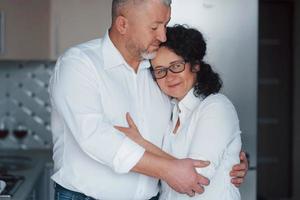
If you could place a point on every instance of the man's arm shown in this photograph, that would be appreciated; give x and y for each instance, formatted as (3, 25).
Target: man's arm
(166, 167)
(180, 174)
(74, 94)
(238, 172)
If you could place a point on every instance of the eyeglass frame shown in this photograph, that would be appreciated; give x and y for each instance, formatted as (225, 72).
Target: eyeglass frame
(167, 69)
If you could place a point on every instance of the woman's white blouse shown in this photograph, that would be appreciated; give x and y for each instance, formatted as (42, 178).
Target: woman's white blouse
(209, 130)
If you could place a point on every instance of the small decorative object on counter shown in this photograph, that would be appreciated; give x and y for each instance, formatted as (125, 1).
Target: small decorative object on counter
(2, 186)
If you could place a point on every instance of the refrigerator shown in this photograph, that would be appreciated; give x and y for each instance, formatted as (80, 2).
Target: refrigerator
(230, 28)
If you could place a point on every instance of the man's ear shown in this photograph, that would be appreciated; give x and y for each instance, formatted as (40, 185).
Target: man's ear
(121, 24)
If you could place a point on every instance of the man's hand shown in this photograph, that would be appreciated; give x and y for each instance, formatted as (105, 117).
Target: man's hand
(183, 177)
(239, 171)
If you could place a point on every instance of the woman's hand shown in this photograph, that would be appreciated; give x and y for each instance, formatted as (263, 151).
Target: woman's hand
(132, 131)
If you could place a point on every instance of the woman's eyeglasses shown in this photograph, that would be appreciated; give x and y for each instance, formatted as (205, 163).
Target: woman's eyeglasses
(161, 72)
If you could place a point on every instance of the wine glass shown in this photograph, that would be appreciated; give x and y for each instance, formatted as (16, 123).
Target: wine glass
(5, 124)
(3, 129)
(20, 133)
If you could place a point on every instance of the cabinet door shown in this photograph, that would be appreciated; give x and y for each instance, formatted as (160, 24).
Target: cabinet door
(26, 29)
(44, 29)
(76, 21)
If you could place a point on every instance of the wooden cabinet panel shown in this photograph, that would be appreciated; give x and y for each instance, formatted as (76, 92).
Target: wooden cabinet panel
(26, 29)
(43, 29)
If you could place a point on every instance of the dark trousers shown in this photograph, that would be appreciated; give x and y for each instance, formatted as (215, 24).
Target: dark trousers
(62, 193)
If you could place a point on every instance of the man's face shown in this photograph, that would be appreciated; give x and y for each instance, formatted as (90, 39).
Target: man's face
(147, 29)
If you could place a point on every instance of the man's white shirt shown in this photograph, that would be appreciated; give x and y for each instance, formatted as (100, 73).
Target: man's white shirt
(91, 90)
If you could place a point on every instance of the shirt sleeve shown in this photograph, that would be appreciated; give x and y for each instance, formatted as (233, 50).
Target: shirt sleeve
(217, 134)
(75, 95)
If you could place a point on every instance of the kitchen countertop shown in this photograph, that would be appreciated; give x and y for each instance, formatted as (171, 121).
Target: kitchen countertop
(39, 158)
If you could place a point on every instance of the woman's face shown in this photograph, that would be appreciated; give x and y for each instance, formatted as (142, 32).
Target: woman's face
(176, 85)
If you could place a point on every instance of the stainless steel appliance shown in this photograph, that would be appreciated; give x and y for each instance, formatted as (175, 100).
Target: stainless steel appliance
(12, 184)
(9, 164)
(231, 30)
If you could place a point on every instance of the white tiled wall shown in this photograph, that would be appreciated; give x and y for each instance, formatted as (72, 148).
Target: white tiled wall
(24, 102)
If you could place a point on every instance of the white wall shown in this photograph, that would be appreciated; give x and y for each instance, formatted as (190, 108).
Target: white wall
(231, 31)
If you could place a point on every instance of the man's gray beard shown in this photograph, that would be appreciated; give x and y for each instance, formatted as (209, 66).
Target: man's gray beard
(148, 56)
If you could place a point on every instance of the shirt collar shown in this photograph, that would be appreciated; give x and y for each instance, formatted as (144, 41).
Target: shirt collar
(184, 108)
(189, 102)
(112, 56)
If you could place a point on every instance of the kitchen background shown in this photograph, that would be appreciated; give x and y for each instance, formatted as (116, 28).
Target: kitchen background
(253, 44)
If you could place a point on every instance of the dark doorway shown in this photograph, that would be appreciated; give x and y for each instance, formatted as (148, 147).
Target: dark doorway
(275, 99)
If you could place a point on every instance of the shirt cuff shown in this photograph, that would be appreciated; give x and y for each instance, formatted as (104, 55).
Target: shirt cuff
(127, 156)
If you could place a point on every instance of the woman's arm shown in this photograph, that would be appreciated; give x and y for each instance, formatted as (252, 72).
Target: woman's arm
(133, 133)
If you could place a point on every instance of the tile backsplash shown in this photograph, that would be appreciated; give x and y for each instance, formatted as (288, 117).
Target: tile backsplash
(24, 104)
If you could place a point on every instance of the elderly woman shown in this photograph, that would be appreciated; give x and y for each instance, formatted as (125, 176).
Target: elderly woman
(204, 124)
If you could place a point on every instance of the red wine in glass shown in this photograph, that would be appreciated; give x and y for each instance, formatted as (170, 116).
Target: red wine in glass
(20, 134)
(3, 133)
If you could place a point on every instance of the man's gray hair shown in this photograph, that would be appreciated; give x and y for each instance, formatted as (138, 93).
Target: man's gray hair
(117, 4)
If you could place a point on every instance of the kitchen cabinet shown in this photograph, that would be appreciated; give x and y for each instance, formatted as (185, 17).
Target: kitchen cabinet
(43, 29)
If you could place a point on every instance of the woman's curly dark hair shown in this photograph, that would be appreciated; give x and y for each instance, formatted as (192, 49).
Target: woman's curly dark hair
(191, 46)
